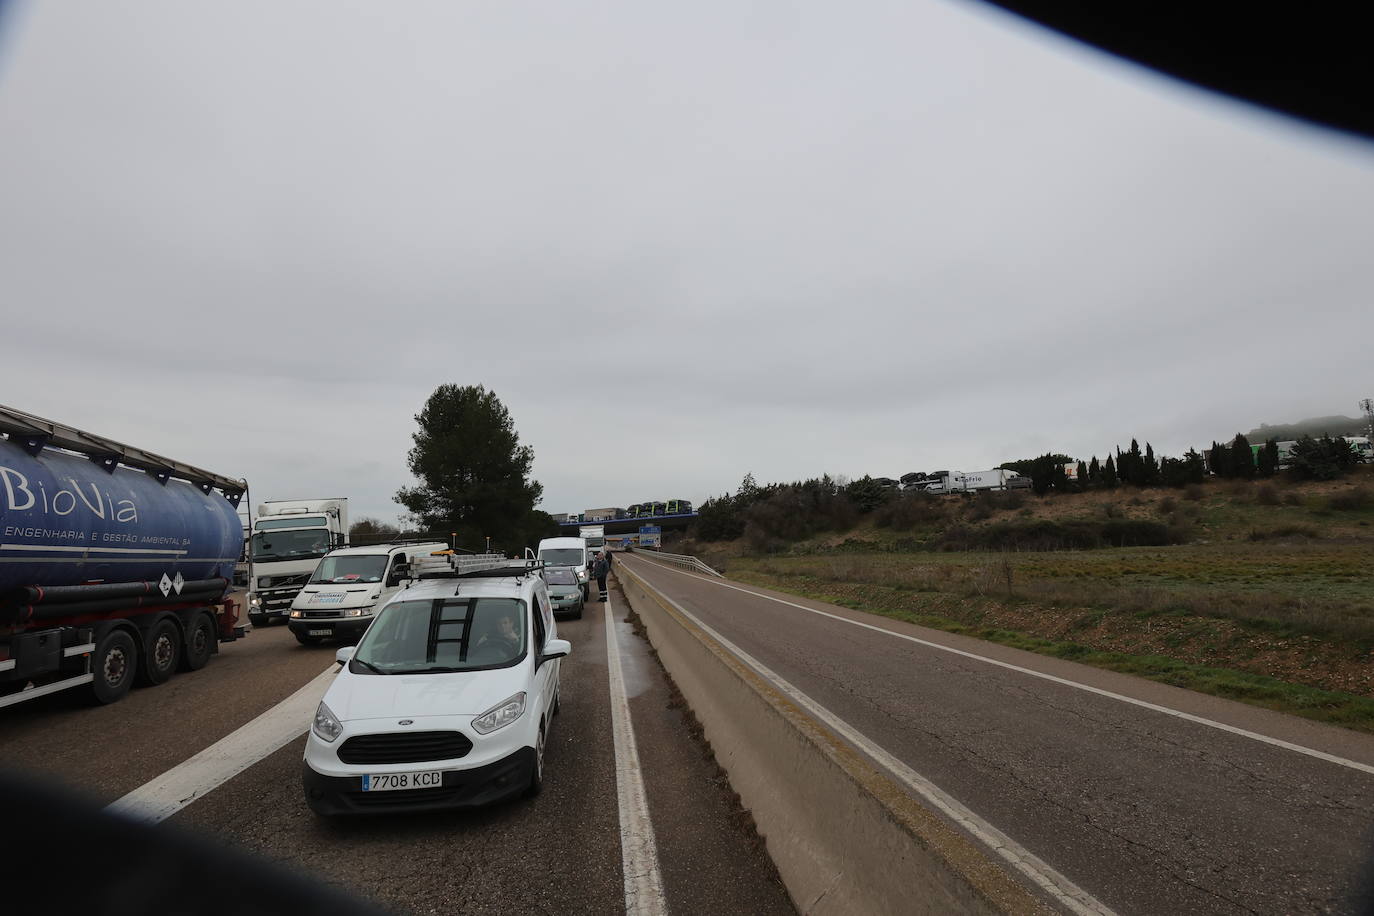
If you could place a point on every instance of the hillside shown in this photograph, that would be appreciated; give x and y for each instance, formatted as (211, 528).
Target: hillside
(1314, 426)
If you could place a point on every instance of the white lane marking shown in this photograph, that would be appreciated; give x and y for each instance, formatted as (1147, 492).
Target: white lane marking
(1210, 723)
(638, 848)
(80, 549)
(1039, 872)
(197, 776)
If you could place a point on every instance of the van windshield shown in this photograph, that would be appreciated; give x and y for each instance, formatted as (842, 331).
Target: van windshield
(344, 569)
(563, 556)
(443, 635)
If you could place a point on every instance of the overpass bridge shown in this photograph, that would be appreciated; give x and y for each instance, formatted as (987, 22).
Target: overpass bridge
(632, 525)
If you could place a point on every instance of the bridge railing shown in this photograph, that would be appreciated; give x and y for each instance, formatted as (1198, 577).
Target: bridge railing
(679, 559)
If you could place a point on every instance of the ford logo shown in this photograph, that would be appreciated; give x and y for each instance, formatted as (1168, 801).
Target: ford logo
(406, 722)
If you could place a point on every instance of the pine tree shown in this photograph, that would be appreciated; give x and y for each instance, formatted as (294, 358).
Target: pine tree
(1149, 469)
(1242, 458)
(1219, 459)
(1109, 478)
(1268, 463)
(1094, 471)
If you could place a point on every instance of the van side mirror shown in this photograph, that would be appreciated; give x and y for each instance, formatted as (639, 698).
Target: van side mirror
(344, 654)
(555, 648)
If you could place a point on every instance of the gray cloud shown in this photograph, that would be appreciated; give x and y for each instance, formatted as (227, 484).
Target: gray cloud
(680, 244)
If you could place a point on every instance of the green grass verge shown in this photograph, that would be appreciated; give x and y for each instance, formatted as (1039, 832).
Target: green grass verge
(1332, 707)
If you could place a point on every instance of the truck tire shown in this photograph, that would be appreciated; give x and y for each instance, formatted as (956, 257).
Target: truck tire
(161, 652)
(200, 643)
(113, 663)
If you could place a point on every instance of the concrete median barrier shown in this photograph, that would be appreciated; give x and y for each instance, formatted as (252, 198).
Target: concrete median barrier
(845, 836)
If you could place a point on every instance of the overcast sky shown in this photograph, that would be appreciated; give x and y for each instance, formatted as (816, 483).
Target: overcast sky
(679, 241)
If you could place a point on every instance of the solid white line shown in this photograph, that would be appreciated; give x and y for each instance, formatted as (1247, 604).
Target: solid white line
(638, 848)
(1187, 716)
(68, 548)
(1039, 872)
(197, 776)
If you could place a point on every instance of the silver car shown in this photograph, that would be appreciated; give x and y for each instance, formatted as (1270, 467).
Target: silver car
(565, 592)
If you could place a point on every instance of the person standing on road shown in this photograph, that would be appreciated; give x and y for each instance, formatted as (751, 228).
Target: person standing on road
(599, 569)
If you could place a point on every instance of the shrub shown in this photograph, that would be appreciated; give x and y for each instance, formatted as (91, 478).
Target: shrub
(1071, 534)
(910, 511)
(1194, 492)
(1266, 495)
(1168, 504)
(1284, 531)
(1350, 500)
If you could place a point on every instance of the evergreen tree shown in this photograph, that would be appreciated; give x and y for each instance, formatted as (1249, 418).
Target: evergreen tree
(1219, 459)
(1195, 468)
(1242, 458)
(1131, 466)
(473, 471)
(1083, 479)
(1268, 464)
(1149, 468)
(1094, 471)
(1109, 478)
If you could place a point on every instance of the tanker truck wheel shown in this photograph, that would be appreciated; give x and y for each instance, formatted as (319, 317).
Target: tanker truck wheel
(161, 652)
(200, 643)
(113, 663)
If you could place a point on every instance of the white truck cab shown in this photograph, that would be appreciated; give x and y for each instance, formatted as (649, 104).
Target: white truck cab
(570, 552)
(349, 586)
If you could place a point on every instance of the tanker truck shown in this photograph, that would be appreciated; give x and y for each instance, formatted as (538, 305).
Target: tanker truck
(115, 563)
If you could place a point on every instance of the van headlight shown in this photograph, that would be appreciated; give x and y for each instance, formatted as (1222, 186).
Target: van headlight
(499, 716)
(359, 611)
(327, 726)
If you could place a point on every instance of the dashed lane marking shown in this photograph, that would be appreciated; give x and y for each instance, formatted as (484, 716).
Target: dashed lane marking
(160, 798)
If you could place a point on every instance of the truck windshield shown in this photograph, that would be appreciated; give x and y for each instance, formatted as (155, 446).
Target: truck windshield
(290, 545)
(295, 521)
(445, 634)
(563, 556)
(338, 570)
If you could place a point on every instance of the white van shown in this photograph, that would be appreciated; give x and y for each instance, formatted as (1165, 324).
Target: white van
(349, 586)
(570, 552)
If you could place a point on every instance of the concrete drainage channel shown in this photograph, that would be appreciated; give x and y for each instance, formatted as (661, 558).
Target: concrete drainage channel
(845, 837)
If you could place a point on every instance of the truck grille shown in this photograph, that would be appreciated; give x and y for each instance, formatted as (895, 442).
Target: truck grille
(404, 747)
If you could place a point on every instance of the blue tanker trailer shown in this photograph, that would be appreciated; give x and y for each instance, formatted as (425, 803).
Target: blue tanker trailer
(115, 563)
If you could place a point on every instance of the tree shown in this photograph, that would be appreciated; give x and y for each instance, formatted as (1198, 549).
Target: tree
(1109, 476)
(371, 531)
(1242, 458)
(1219, 459)
(1084, 476)
(867, 494)
(1149, 468)
(1268, 464)
(1195, 467)
(1094, 471)
(1023, 466)
(1320, 459)
(1047, 473)
(473, 471)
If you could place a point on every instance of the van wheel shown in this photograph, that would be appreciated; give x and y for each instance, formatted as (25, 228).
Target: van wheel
(161, 652)
(537, 777)
(200, 643)
(113, 663)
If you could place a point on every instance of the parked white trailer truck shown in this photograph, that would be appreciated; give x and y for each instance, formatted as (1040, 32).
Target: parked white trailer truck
(115, 563)
(972, 481)
(289, 538)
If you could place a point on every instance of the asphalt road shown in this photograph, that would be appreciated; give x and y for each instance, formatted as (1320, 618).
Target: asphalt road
(557, 853)
(1148, 812)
